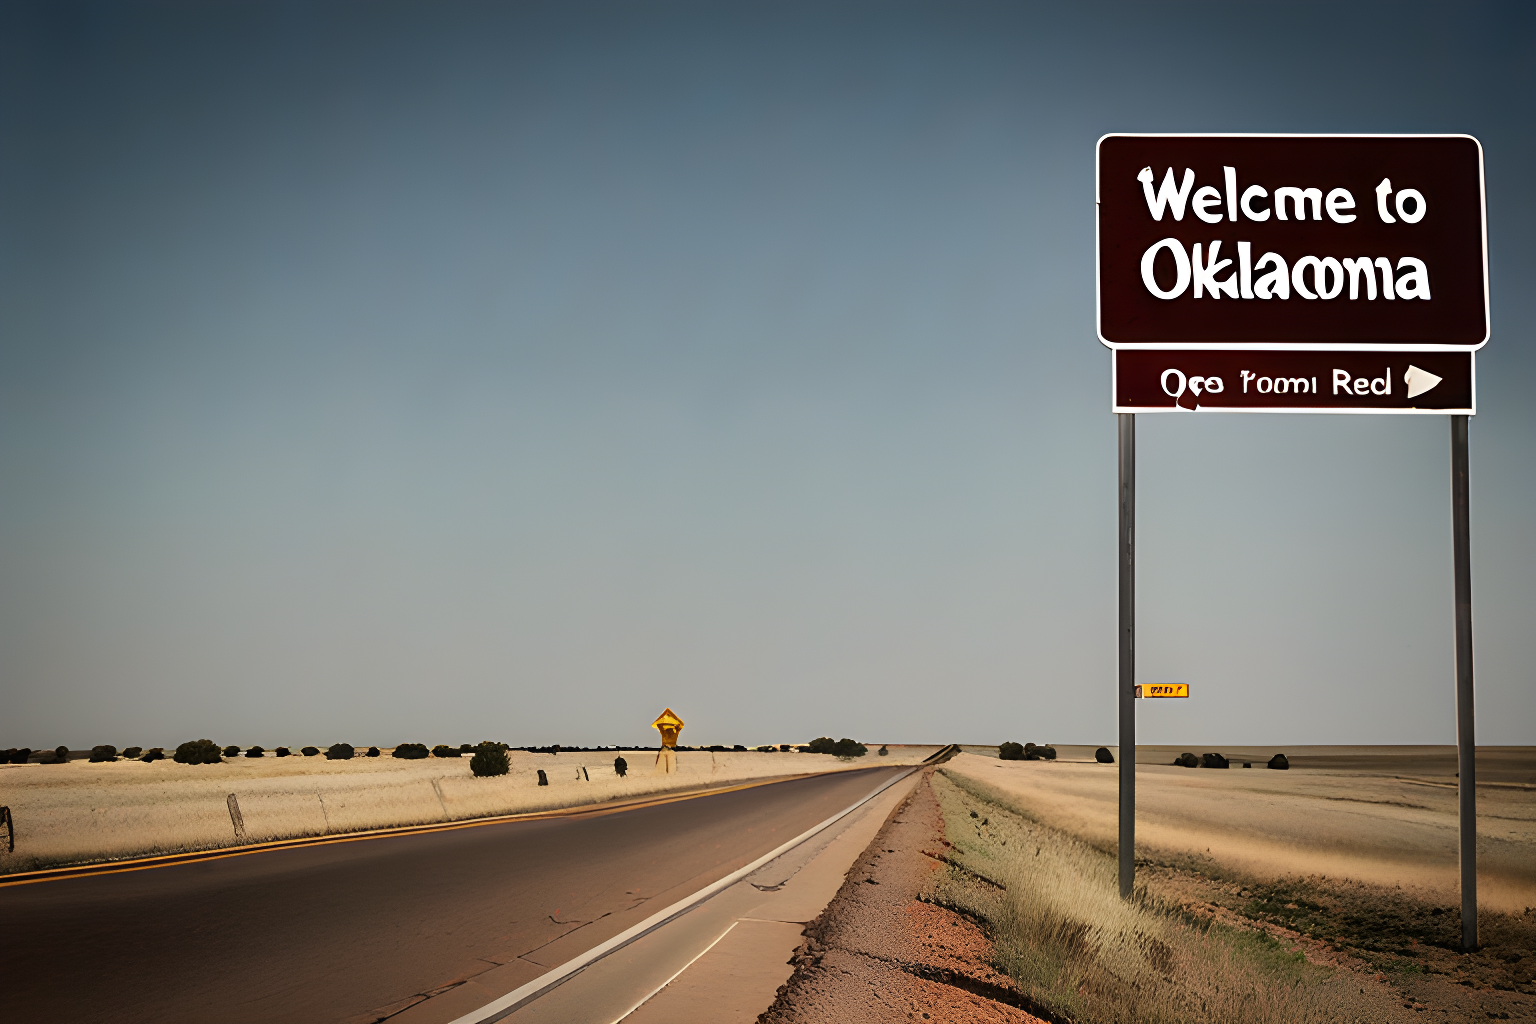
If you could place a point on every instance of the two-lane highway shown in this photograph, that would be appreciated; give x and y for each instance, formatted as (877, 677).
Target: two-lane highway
(356, 931)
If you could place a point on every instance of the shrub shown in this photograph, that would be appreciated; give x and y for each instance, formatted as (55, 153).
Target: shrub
(883, 752)
(785, 748)
(543, 779)
(282, 752)
(198, 752)
(716, 748)
(60, 755)
(309, 751)
(465, 748)
(1187, 760)
(738, 747)
(1280, 762)
(766, 750)
(21, 755)
(820, 745)
(1213, 761)
(846, 747)
(412, 751)
(133, 751)
(1103, 756)
(256, 752)
(1046, 753)
(373, 751)
(103, 752)
(490, 759)
(231, 751)
(153, 754)
(340, 752)
(444, 750)
(620, 767)
(1010, 751)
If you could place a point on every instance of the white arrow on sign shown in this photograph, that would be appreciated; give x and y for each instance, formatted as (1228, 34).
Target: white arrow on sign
(1419, 381)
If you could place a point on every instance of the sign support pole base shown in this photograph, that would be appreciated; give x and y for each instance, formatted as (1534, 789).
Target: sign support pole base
(1466, 748)
(1127, 680)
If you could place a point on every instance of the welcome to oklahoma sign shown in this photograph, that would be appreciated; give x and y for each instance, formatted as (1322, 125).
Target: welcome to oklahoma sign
(1265, 273)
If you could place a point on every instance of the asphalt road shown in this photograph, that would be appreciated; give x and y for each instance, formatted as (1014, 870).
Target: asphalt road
(350, 931)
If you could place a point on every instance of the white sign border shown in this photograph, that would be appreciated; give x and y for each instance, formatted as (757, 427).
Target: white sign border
(1216, 346)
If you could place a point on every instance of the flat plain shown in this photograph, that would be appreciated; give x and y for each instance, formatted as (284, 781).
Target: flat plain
(1323, 894)
(1380, 815)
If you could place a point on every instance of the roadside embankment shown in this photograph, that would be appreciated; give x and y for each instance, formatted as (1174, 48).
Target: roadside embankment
(83, 813)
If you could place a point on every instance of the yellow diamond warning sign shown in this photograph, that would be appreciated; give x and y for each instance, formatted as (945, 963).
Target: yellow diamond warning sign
(669, 725)
(1163, 690)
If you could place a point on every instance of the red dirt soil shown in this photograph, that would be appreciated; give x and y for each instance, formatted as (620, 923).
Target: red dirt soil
(880, 953)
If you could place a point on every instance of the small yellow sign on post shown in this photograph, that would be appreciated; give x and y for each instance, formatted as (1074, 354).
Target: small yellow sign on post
(669, 725)
(1163, 690)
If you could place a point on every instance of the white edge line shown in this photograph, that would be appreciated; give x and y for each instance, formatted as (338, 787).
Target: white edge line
(679, 974)
(499, 1008)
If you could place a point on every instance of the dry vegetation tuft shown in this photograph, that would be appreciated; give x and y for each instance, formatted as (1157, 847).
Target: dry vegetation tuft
(1076, 948)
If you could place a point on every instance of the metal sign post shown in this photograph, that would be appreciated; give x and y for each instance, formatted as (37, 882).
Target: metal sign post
(1466, 751)
(1127, 848)
(1294, 274)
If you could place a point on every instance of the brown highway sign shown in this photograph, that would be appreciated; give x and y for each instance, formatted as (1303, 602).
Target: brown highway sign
(1370, 243)
(1214, 380)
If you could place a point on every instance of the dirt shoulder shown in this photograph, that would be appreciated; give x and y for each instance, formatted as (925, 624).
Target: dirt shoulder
(883, 951)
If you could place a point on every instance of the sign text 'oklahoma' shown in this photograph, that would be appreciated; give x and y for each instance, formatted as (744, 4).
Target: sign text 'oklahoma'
(1370, 243)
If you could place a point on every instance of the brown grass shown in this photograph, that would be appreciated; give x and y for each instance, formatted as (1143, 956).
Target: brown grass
(1365, 822)
(1074, 946)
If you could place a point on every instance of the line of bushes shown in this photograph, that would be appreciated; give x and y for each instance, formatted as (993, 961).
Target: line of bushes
(1214, 760)
(23, 755)
(205, 751)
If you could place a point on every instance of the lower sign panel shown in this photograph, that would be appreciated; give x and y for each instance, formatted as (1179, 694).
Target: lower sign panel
(1170, 380)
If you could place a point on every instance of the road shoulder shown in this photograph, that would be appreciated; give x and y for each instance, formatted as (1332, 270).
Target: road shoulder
(882, 952)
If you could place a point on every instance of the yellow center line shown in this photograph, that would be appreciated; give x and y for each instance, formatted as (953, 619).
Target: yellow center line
(200, 856)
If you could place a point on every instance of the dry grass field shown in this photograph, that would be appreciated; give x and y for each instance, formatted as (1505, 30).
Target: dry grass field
(1074, 947)
(81, 812)
(1357, 815)
(1320, 894)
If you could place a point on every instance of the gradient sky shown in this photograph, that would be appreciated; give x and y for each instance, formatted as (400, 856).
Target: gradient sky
(450, 370)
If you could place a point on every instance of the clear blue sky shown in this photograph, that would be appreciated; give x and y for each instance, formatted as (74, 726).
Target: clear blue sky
(440, 371)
